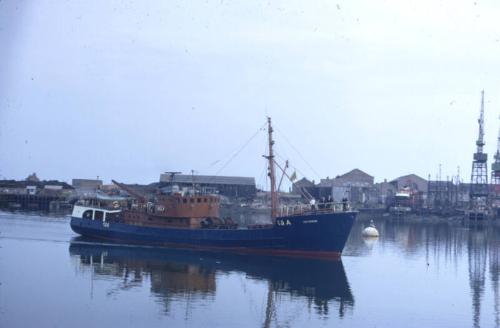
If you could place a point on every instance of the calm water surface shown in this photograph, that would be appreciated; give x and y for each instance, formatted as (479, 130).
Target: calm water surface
(415, 275)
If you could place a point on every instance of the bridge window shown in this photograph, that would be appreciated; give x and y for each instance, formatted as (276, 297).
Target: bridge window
(98, 215)
(87, 214)
(113, 217)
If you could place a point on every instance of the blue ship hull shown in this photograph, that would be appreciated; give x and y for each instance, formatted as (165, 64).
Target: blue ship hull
(313, 235)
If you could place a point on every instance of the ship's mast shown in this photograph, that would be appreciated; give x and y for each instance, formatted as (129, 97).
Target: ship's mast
(272, 176)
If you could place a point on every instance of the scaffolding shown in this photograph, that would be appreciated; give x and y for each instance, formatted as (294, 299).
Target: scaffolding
(495, 177)
(443, 196)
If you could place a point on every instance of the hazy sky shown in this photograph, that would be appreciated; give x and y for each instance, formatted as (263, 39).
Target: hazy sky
(129, 89)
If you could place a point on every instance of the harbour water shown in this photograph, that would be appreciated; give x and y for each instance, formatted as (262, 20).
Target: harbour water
(418, 273)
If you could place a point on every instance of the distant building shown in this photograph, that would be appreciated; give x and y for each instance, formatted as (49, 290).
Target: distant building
(240, 187)
(416, 187)
(355, 178)
(446, 194)
(325, 188)
(354, 185)
(41, 188)
(32, 177)
(305, 185)
(412, 181)
(34, 195)
(90, 184)
(31, 190)
(385, 192)
(463, 197)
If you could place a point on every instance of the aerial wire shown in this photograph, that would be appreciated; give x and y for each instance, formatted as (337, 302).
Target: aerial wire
(296, 150)
(238, 151)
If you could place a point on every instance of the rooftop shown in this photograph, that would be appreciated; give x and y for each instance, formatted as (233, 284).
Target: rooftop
(38, 184)
(207, 179)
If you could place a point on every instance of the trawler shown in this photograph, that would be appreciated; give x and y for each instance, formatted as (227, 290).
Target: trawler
(191, 220)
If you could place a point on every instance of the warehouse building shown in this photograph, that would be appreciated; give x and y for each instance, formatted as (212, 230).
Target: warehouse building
(355, 185)
(237, 187)
(412, 181)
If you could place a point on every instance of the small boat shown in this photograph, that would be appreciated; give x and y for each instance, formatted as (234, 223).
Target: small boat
(402, 202)
(477, 214)
(191, 220)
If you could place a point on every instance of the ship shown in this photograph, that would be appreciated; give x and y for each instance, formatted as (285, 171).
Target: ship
(191, 220)
(402, 202)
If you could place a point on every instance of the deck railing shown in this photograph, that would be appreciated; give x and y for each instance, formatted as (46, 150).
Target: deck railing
(320, 208)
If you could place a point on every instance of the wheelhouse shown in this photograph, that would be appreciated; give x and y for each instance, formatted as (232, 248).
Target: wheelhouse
(92, 213)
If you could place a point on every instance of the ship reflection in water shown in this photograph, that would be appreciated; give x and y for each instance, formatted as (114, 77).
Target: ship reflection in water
(176, 275)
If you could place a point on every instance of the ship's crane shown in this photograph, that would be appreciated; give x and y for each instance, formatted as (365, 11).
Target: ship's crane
(131, 192)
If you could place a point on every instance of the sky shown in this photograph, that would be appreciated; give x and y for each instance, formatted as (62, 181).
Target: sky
(127, 90)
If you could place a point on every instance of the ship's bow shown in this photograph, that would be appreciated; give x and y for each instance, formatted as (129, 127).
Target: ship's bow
(321, 235)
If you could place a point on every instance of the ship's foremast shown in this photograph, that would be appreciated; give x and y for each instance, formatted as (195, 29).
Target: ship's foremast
(272, 173)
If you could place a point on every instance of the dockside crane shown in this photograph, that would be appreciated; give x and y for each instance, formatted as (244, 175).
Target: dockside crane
(478, 194)
(495, 167)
